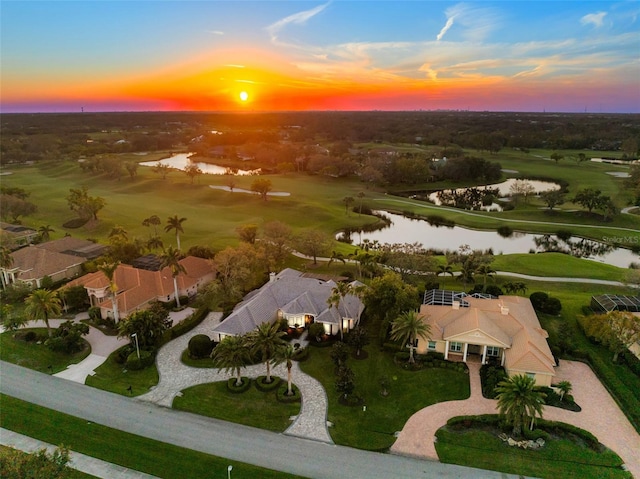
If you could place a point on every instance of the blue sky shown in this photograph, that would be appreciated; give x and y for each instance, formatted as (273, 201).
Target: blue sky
(508, 55)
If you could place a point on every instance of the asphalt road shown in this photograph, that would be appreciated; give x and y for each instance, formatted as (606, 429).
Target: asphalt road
(233, 441)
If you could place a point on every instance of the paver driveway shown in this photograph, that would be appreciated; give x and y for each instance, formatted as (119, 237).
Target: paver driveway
(600, 415)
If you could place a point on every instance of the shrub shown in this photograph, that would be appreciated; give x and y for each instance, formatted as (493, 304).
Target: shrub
(200, 346)
(281, 394)
(490, 376)
(262, 384)
(316, 330)
(94, 313)
(301, 354)
(231, 385)
(544, 303)
(538, 299)
(67, 338)
(134, 363)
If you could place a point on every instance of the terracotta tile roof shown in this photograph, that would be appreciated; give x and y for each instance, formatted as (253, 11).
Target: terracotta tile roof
(509, 321)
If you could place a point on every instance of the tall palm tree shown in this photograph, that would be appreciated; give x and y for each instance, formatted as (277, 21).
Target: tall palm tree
(338, 293)
(286, 355)
(109, 270)
(232, 355)
(361, 196)
(408, 327)
(175, 223)
(348, 201)
(486, 271)
(6, 262)
(45, 232)
(171, 259)
(266, 341)
(43, 304)
(444, 269)
(518, 400)
(564, 387)
(155, 242)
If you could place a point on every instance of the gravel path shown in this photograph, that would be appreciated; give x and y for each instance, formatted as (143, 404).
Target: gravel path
(175, 376)
(600, 415)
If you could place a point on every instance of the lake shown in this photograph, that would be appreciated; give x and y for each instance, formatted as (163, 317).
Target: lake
(442, 238)
(181, 160)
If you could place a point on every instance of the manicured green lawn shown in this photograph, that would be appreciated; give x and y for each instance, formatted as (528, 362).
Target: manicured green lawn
(251, 408)
(37, 356)
(559, 458)
(71, 473)
(409, 392)
(556, 264)
(113, 377)
(128, 450)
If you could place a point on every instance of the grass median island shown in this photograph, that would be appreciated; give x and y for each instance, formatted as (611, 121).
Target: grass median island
(409, 391)
(114, 377)
(251, 408)
(566, 456)
(39, 357)
(128, 450)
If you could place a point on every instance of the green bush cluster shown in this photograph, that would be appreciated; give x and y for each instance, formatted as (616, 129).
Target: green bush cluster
(429, 360)
(262, 384)
(301, 354)
(67, 338)
(145, 360)
(281, 394)
(553, 399)
(231, 385)
(200, 346)
(544, 303)
(490, 376)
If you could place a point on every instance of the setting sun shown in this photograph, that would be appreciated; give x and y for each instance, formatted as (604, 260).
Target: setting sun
(244, 96)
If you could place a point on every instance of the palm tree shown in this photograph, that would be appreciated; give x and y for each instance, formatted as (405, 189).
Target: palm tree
(109, 270)
(171, 259)
(518, 400)
(338, 292)
(348, 201)
(232, 355)
(444, 269)
(565, 387)
(266, 341)
(361, 195)
(6, 262)
(286, 355)
(45, 232)
(408, 327)
(175, 223)
(486, 271)
(43, 304)
(155, 242)
(153, 220)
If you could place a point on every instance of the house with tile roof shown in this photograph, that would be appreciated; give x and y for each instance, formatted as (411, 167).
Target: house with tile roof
(17, 235)
(138, 287)
(59, 260)
(504, 329)
(296, 297)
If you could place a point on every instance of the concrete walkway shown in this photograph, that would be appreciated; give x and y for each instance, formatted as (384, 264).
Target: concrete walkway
(175, 376)
(600, 415)
(86, 464)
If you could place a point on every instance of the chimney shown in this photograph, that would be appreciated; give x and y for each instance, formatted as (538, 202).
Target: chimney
(272, 277)
(504, 310)
(455, 305)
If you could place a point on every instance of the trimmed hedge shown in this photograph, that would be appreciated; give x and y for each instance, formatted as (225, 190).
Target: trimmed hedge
(262, 384)
(282, 391)
(145, 360)
(231, 384)
(200, 346)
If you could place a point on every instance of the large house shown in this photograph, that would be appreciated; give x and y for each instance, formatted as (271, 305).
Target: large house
(504, 329)
(299, 299)
(17, 235)
(137, 287)
(59, 260)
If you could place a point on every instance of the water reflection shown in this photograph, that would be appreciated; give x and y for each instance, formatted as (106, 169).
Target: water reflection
(445, 238)
(180, 161)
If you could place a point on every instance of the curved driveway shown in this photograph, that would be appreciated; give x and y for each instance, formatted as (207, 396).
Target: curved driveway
(600, 415)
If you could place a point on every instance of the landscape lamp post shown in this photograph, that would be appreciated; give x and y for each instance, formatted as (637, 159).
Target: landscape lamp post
(229, 469)
(135, 336)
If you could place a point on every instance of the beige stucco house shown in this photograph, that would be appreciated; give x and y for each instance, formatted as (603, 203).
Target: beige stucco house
(504, 329)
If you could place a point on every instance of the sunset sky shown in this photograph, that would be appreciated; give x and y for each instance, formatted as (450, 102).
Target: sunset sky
(338, 55)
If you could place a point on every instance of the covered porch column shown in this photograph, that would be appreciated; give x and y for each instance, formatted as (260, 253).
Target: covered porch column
(502, 359)
(484, 354)
(446, 350)
(464, 355)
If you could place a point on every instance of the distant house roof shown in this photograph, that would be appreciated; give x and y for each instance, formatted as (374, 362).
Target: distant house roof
(292, 293)
(509, 322)
(615, 302)
(19, 234)
(48, 259)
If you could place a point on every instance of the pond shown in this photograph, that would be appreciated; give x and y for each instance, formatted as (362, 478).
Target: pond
(181, 160)
(498, 189)
(442, 238)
